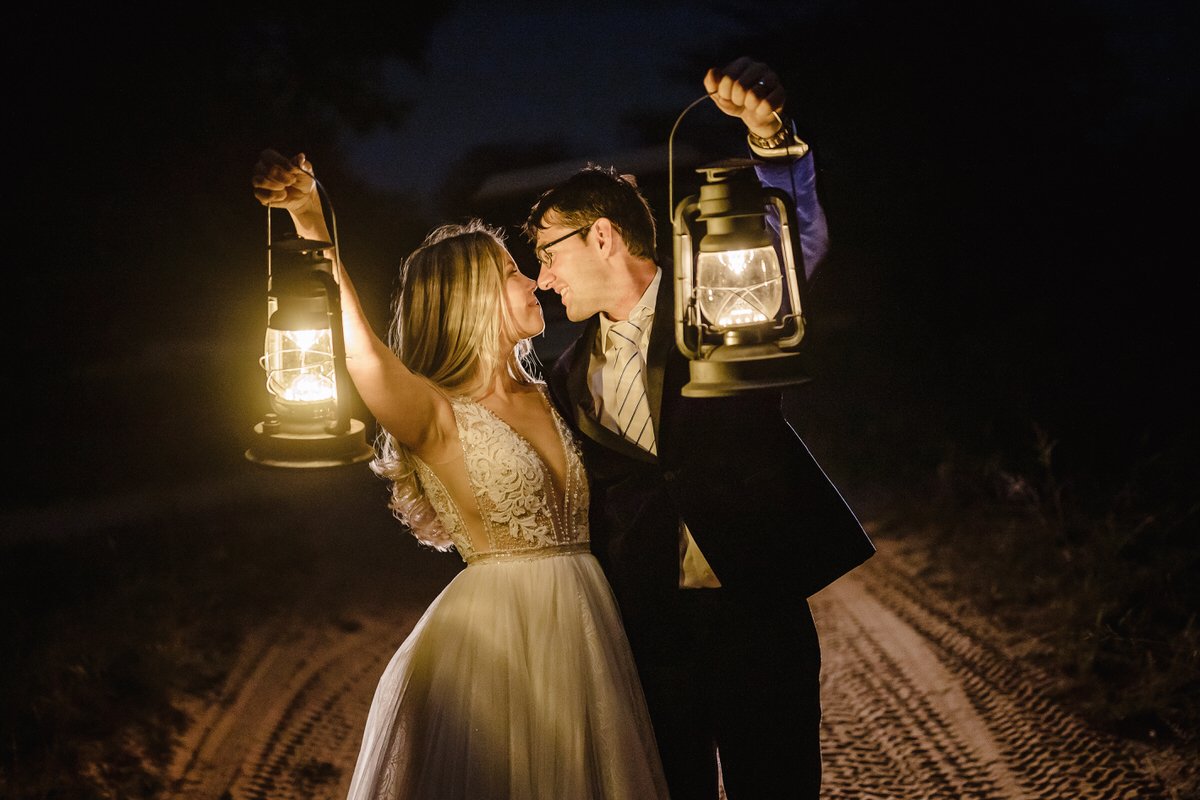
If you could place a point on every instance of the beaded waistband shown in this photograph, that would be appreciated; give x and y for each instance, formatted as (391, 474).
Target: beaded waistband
(492, 556)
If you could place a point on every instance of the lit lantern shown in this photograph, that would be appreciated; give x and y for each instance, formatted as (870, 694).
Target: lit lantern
(730, 318)
(305, 363)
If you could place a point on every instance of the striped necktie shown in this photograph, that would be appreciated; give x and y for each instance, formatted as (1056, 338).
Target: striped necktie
(625, 384)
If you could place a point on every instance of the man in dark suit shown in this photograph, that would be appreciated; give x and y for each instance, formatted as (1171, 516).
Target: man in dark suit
(712, 520)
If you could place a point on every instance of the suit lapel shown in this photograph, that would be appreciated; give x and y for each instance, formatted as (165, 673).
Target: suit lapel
(590, 427)
(577, 388)
(662, 339)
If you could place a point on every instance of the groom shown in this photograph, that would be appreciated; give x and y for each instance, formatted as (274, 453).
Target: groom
(713, 522)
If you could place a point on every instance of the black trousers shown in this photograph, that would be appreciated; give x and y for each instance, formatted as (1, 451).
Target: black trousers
(741, 678)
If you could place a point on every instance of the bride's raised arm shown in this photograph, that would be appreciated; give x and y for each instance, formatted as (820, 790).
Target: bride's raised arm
(404, 403)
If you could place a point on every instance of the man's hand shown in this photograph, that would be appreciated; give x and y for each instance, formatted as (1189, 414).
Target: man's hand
(283, 182)
(749, 90)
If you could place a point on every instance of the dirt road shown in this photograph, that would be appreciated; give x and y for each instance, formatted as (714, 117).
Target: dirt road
(920, 702)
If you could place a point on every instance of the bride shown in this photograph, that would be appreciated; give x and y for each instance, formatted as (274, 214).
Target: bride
(517, 682)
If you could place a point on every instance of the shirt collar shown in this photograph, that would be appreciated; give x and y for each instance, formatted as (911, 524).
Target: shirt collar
(643, 309)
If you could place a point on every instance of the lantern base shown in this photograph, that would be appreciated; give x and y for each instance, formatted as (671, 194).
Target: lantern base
(730, 370)
(283, 448)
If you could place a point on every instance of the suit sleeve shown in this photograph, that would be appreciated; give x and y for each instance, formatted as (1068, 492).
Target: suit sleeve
(798, 178)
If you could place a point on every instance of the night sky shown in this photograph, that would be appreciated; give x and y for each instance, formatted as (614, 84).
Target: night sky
(1009, 189)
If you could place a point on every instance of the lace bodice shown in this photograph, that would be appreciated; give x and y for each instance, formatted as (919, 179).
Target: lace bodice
(514, 489)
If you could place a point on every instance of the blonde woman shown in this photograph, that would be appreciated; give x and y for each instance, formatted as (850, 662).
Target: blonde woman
(517, 682)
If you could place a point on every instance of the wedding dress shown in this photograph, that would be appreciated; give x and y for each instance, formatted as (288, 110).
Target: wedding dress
(517, 682)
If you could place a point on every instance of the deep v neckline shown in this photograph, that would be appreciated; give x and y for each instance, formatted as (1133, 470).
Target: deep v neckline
(559, 496)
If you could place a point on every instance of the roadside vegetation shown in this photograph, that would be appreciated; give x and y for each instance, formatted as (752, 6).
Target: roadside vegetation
(1099, 584)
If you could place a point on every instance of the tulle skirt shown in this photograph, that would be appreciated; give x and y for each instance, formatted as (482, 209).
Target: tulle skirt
(517, 682)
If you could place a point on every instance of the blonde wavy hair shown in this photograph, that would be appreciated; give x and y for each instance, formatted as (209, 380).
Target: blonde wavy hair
(449, 318)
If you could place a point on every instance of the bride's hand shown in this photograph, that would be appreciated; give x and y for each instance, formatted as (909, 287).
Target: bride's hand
(284, 182)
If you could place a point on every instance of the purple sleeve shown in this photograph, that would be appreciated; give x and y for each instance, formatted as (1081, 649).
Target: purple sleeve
(799, 179)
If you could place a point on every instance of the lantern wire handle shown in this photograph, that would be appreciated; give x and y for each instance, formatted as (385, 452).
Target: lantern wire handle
(671, 151)
(332, 219)
(671, 147)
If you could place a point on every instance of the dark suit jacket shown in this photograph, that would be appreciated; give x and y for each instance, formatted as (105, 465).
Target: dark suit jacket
(763, 512)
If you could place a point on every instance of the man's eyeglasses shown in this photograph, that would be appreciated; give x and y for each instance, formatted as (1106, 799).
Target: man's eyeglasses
(545, 257)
